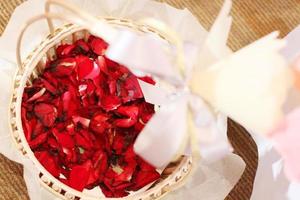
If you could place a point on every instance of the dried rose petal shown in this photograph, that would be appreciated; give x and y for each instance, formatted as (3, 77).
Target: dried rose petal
(83, 121)
(48, 162)
(37, 95)
(49, 86)
(63, 67)
(143, 178)
(147, 79)
(79, 176)
(87, 69)
(109, 103)
(128, 111)
(113, 194)
(64, 139)
(84, 47)
(65, 50)
(99, 123)
(101, 62)
(98, 45)
(99, 167)
(82, 142)
(46, 113)
(40, 139)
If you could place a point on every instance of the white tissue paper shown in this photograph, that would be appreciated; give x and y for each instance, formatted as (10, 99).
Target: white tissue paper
(222, 174)
(270, 181)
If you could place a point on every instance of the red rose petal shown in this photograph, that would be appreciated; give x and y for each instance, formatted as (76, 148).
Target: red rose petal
(128, 111)
(79, 176)
(40, 139)
(143, 178)
(46, 113)
(49, 86)
(84, 121)
(98, 45)
(63, 67)
(101, 62)
(82, 45)
(147, 79)
(82, 142)
(48, 162)
(84, 66)
(37, 95)
(109, 103)
(99, 167)
(65, 50)
(99, 123)
(64, 139)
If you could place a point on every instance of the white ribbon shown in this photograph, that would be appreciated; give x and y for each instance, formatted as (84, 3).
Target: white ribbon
(250, 86)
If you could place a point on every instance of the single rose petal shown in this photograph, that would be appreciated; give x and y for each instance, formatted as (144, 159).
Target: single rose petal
(84, 121)
(99, 123)
(65, 50)
(84, 66)
(46, 113)
(53, 143)
(98, 45)
(84, 47)
(70, 103)
(37, 95)
(131, 89)
(28, 125)
(118, 143)
(48, 162)
(49, 86)
(64, 139)
(79, 176)
(82, 142)
(147, 79)
(86, 87)
(128, 111)
(101, 62)
(63, 67)
(100, 165)
(109, 103)
(113, 194)
(143, 178)
(40, 139)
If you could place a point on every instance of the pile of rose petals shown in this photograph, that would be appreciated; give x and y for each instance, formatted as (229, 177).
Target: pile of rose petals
(81, 117)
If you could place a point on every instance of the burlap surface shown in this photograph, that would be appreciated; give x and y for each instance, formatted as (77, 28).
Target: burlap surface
(252, 19)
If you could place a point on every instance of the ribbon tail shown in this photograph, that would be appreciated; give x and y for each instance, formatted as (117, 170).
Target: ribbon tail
(250, 86)
(164, 136)
(211, 131)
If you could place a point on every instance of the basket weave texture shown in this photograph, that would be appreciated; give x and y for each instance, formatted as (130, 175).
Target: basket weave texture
(252, 19)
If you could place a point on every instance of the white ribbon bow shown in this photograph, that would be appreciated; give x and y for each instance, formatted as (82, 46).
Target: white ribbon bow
(249, 86)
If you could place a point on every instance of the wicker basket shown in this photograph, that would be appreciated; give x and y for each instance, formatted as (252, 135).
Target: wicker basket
(174, 174)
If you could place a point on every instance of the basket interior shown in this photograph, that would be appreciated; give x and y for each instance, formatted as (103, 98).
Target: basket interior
(171, 176)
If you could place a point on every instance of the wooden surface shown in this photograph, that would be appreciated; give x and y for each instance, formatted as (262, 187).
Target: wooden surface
(252, 19)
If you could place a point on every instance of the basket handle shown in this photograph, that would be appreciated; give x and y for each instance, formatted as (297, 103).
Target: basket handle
(70, 7)
(82, 18)
(30, 22)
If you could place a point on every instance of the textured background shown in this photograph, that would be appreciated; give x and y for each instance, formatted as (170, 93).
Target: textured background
(252, 19)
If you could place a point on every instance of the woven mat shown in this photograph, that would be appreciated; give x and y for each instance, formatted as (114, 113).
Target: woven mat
(251, 20)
